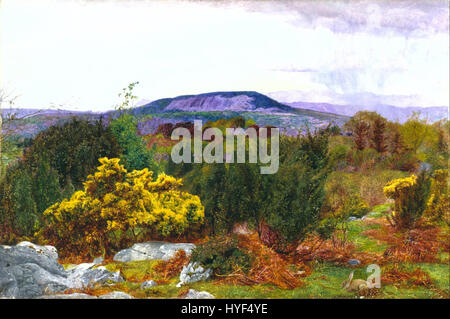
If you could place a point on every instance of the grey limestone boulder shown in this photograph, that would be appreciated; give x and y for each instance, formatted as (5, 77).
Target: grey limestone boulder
(85, 275)
(28, 270)
(152, 250)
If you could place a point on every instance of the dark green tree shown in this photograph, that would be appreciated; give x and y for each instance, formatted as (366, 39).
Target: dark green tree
(46, 188)
(26, 219)
(298, 189)
(68, 190)
(135, 155)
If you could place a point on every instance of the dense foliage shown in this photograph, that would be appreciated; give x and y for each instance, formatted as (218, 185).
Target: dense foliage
(289, 201)
(438, 206)
(222, 255)
(52, 167)
(117, 207)
(135, 154)
(324, 178)
(411, 196)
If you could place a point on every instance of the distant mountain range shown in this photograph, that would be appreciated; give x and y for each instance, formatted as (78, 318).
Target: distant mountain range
(215, 105)
(390, 112)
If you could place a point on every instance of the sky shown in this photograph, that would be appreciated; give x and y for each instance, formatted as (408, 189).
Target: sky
(79, 54)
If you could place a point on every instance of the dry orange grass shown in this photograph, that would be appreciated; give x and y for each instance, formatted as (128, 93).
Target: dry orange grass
(397, 276)
(268, 266)
(333, 251)
(173, 266)
(315, 249)
(420, 244)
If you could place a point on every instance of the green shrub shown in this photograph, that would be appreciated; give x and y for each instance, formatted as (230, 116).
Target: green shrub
(52, 167)
(411, 197)
(354, 206)
(222, 255)
(438, 206)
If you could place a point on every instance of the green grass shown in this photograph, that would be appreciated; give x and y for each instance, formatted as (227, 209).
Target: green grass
(379, 210)
(393, 292)
(439, 273)
(362, 242)
(325, 280)
(136, 270)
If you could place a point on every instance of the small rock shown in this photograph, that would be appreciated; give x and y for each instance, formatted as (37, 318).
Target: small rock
(148, 284)
(194, 294)
(116, 295)
(193, 272)
(98, 260)
(352, 218)
(353, 262)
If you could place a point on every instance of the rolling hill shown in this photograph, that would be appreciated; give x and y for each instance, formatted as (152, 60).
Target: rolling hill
(215, 105)
(207, 106)
(240, 101)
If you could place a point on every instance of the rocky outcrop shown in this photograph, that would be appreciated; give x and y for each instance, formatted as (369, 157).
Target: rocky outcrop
(152, 250)
(193, 272)
(238, 101)
(85, 275)
(28, 270)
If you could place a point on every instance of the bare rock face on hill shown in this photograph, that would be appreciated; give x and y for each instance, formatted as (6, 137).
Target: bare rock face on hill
(236, 101)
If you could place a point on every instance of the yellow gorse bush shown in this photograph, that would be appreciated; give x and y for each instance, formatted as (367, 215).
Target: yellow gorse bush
(397, 187)
(410, 197)
(117, 207)
(438, 206)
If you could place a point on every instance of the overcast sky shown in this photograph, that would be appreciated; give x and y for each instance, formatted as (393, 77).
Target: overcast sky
(79, 54)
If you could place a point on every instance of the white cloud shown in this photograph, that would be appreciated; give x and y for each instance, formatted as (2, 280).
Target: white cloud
(82, 53)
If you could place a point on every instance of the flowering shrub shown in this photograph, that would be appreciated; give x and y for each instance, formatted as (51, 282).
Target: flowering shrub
(410, 195)
(117, 207)
(438, 206)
